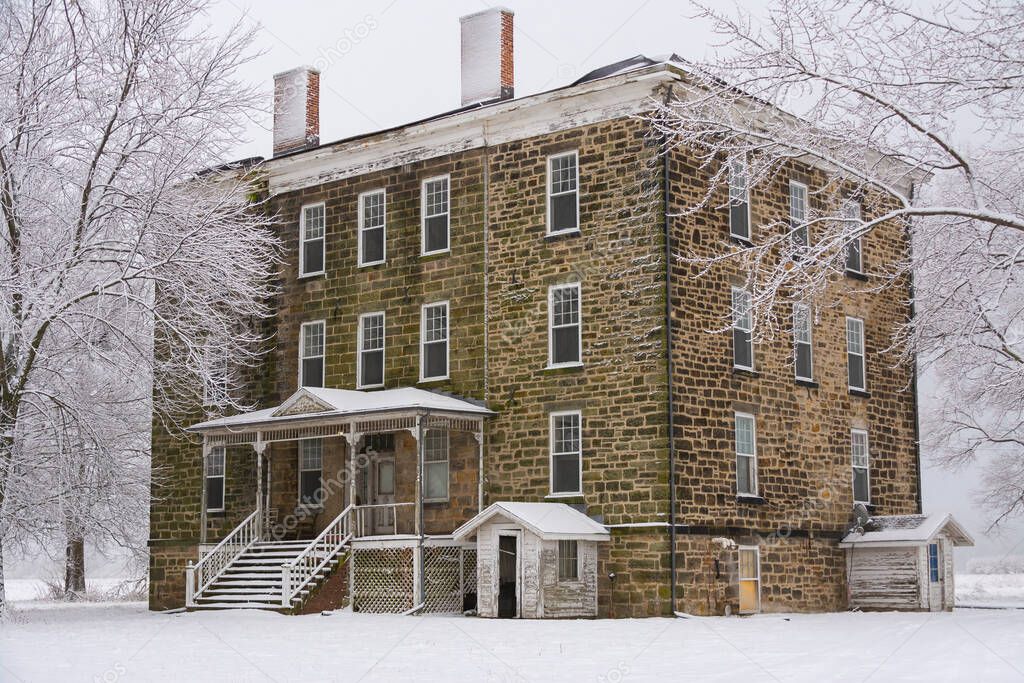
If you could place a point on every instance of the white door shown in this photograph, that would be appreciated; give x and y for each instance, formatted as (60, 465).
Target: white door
(383, 492)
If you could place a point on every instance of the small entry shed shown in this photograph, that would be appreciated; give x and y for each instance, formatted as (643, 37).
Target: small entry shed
(535, 560)
(903, 562)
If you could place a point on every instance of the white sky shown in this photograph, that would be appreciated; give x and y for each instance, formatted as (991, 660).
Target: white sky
(387, 62)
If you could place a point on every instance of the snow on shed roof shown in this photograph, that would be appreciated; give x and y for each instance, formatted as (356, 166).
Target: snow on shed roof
(907, 530)
(319, 402)
(550, 521)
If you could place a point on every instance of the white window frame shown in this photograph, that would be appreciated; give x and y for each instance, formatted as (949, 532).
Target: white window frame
(302, 349)
(423, 215)
(558, 563)
(755, 479)
(301, 469)
(384, 228)
(748, 329)
(579, 325)
(745, 173)
(223, 479)
(794, 184)
(303, 240)
(851, 216)
(447, 463)
(866, 466)
(757, 563)
(796, 340)
(863, 353)
(360, 350)
(552, 454)
(447, 341)
(549, 194)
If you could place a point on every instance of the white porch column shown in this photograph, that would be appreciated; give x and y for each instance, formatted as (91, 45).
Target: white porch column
(417, 562)
(479, 436)
(259, 446)
(352, 439)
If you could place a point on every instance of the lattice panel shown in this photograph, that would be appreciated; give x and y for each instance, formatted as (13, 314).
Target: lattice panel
(449, 573)
(385, 424)
(383, 579)
(308, 432)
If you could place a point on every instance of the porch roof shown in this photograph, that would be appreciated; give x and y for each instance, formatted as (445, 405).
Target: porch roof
(335, 404)
(550, 521)
(891, 530)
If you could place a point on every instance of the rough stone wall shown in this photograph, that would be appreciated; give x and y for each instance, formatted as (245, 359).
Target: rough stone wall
(802, 432)
(639, 559)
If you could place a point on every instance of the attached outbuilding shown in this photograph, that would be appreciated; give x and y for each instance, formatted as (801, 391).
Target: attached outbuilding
(535, 560)
(903, 562)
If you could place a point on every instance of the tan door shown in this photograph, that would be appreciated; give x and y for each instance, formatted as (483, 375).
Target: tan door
(383, 492)
(750, 580)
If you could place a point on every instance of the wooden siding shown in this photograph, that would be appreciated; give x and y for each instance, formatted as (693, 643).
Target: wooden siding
(884, 578)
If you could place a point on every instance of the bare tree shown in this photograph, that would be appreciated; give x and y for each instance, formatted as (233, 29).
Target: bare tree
(114, 249)
(914, 112)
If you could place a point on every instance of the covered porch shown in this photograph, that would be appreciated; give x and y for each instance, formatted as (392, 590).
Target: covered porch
(381, 478)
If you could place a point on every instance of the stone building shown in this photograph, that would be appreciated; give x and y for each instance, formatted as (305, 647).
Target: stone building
(478, 308)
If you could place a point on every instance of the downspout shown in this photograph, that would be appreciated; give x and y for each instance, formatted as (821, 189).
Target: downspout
(913, 380)
(669, 365)
(487, 312)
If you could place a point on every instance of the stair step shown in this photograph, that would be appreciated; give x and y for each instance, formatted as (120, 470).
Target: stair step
(252, 597)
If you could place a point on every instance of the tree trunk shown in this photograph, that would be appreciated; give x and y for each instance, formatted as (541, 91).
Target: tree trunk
(74, 567)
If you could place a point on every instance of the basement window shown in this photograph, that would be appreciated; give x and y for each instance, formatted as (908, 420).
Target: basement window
(563, 193)
(436, 213)
(372, 228)
(311, 240)
(311, 454)
(214, 473)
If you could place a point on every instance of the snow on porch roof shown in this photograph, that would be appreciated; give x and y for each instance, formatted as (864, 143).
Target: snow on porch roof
(550, 521)
(908, 530)
(316, 402)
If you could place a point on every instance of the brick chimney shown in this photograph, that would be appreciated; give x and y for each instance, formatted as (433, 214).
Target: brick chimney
(487, 65)
(296, 110)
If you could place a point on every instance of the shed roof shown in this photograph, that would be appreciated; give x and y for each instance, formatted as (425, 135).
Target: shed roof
(320, 402)
(550, 521)
(907, 530)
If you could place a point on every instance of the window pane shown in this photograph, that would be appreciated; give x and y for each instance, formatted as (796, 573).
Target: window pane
(373, 245)
(435, 445)
(311, 453)
(738, 180)
(436, 233)
(436, 199)
(215, 463)
(566, 473)
(215, 493)
(803, 362)
(313, 222)
(563, 212)
(310, 487)
(748, 564)
(373, 368)
(861, 494)
(743, 349)
(563, 173)
(373, 210)
(435, 359)
(435, 475)
(435, 326)
(568, 560)
(313, 256)
(854, 336)
(386, 477)
(746, 481)
(855, 366)
(853, 259)
(312, 340)
(566, 433)
(566, 345)
(313, 372)
(739, 224)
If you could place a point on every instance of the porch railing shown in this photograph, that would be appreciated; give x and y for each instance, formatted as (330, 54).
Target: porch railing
(368, 516)
(296, 574)
(199, 576)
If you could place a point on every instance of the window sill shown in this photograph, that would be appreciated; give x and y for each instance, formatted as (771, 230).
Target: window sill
(563, 496)
(215, 513)
(856, 275)
(860, 392)
(367, 387)
(310, 276)
(371, 265)
(434, 380)
(809, 383)
(562, 234)
(745, 372)
(741, 241)
(435, 254)
(744, 499)
(562, 368)
(437, 502)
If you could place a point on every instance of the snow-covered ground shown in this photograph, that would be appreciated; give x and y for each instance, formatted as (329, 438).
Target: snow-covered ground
(20, 590)
(984, 590)
(124, 642)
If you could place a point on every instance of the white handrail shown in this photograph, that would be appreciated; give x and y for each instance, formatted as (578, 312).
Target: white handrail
(321, 550)
(199, 576)
(361, 512)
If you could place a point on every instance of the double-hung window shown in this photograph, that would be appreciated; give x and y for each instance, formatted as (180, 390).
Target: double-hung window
(436, 213)
(311, 240)
(742, 326)
(750, 579)
(566, 453)
(798, 214)
(214, 472)
(860, 459)
(568, 560)
(311, 462)
(739, 198)
(435, 465)
(855, 362)
(934, 572)
(802, 345)
(563, 193)
(746, 455)
(311, 354)
(434, 341)
(370, 368)
(372, 228)
(564, 338)
(854, 249)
